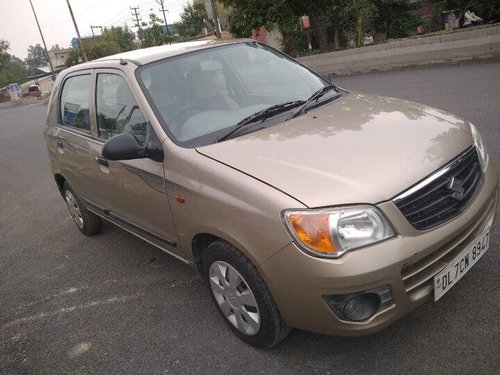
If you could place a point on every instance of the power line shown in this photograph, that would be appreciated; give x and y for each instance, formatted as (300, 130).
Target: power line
(119, 16)
(120, 22)
(86, 10)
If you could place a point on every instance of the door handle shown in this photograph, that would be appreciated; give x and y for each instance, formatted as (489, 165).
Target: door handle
(59, 143)
(102, 162)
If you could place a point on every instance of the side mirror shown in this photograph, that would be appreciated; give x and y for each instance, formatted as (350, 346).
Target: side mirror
(126, 146)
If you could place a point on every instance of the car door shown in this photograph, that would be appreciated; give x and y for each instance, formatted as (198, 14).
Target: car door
(131, 192)
(72, 132)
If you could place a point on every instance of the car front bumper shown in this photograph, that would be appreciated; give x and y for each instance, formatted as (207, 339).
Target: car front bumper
(406, 263)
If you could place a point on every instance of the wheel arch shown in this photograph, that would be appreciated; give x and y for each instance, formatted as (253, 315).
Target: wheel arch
(202, 241)
(60, 180)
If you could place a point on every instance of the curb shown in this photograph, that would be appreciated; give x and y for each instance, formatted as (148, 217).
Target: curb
(455, 47)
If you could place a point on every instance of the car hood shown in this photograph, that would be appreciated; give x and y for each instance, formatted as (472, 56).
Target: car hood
(358, 149)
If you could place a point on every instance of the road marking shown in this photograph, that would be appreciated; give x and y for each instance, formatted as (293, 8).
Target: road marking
(49, 297)
(65, 310)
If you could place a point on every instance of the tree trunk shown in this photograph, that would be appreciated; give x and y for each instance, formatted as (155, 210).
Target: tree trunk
(360, 31)
(320, 29)
(336, 36)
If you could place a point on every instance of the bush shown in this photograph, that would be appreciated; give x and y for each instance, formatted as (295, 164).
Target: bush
(402, 26)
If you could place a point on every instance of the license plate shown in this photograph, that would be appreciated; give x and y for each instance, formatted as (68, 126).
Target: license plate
(459, 266)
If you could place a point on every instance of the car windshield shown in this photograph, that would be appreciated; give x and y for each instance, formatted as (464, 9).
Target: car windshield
(201, 96)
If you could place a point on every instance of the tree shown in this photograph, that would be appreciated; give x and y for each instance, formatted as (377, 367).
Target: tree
(113, 40)
(315, 9)
(37, 56)
(224, 14)
(121, 35)
(192, 19)
(284, 13)
(487, 9)
(152, 34)
(15, 71)
(249, 15)
(4, 55)
(12, 69)
(94, 48)
(74, 57)
(394, 18)
(350, 19)
(358, 17)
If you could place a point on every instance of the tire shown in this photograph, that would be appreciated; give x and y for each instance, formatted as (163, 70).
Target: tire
(88, 222)
(233, 280)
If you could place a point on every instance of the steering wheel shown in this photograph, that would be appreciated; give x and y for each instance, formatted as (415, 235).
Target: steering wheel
(185, 111)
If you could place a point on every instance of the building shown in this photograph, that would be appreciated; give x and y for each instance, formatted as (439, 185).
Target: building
(58, 57)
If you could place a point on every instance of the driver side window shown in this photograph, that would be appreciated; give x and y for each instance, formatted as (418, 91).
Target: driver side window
(117, 111)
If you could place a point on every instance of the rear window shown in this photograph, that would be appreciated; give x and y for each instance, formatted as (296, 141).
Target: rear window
(75, 102)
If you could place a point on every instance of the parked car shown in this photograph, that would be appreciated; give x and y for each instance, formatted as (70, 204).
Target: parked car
(33, 90)
(301, 204)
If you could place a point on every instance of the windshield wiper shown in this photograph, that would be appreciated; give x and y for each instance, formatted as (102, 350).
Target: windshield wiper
(314, 97)
(261, 116)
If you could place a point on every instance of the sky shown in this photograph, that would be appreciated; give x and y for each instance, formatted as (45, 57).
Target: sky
(18, 26)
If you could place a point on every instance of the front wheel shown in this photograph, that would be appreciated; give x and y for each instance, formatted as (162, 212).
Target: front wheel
(242, 297)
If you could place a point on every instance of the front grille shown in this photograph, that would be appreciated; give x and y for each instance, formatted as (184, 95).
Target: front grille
(418, 278)
(444, 194)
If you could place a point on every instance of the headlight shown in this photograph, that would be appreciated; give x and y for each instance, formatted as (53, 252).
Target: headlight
(331, 232)
(478, 142)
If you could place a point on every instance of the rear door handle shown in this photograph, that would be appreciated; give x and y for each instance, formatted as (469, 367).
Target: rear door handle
(103, 162)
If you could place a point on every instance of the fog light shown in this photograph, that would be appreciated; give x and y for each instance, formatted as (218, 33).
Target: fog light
(362, 307)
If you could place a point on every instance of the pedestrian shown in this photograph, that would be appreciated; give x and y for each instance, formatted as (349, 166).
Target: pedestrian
(470, 18)
(15, 92)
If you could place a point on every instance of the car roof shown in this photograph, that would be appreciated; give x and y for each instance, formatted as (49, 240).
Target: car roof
(147, 55)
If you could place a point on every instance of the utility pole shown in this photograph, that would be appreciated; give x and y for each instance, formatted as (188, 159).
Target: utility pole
(44, 45)
(163, 10)
(216, 19)
(80, 44)
(95, 27)
(135, 17)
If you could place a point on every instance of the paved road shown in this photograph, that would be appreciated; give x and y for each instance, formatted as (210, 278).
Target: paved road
(113, 304)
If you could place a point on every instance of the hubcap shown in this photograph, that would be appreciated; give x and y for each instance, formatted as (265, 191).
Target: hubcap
(235, 298)
(74, 209)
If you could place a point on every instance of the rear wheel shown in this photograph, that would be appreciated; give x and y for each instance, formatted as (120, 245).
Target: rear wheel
(88, 222)
(242, 296)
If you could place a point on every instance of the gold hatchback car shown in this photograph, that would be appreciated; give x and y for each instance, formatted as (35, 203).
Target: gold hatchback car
(299, 203)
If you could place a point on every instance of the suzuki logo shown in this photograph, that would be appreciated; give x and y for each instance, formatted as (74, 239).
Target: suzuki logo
(457, 187)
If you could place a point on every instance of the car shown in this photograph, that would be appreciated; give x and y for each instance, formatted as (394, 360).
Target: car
(300, 204)
(33, 91)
